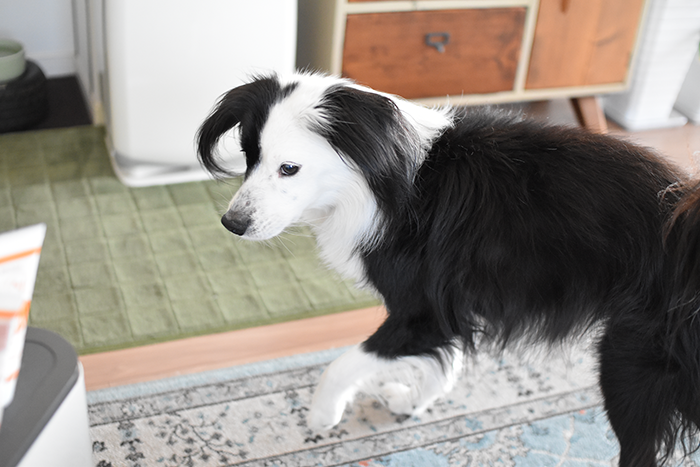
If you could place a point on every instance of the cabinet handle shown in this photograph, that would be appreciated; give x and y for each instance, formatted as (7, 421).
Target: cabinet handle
(438, 40)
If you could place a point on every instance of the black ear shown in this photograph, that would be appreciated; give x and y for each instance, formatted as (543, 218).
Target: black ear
(248, 106)
(369, 130)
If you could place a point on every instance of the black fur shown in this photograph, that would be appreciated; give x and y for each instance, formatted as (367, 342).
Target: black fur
(358, 126)
(246, 106)
(514, 230)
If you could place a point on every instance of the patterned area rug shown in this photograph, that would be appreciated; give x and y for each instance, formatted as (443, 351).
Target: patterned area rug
(508, 411)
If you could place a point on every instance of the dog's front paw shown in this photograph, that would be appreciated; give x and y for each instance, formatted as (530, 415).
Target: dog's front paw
(326, 411)
(337, 387)
(412, 384)
(397, 397)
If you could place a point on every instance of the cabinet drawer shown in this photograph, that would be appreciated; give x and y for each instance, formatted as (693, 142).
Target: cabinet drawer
(389, 51)
(594, 38)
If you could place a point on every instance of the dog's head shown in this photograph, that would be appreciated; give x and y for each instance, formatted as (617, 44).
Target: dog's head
(312, 143)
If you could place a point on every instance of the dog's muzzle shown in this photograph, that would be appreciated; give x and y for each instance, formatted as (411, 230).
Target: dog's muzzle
(236, 221)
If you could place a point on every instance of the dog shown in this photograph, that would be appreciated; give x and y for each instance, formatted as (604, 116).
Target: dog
(479, 226)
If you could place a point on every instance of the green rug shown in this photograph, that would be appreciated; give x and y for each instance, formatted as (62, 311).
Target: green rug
(124, 266)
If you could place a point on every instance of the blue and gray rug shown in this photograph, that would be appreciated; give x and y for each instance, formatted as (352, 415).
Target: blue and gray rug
(504, 412)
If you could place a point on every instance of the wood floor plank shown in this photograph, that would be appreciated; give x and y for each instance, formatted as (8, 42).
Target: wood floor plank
(214, 351)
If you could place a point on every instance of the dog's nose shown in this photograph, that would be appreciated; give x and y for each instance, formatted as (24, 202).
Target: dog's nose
(236, 222)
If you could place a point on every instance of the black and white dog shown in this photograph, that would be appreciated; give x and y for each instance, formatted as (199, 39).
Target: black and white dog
(478, 226)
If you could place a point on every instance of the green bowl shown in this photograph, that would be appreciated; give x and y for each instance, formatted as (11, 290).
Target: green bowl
(12, 63)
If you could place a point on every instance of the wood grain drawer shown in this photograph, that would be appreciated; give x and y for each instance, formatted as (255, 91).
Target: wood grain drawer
(388, 51)
(593, 38)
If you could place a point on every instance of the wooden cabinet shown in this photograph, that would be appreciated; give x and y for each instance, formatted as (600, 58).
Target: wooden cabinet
(433, 53)
(473, 51)
(593, 41)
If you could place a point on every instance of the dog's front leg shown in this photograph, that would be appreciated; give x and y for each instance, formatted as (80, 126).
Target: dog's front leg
(338, 386)
(423, 380)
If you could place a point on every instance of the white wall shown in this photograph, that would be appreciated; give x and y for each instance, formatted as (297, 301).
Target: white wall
(45, 27)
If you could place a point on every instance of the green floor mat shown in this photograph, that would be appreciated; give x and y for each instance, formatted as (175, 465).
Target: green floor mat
(124, 266)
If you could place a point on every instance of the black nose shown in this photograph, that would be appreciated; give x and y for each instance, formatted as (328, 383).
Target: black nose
(236, 222)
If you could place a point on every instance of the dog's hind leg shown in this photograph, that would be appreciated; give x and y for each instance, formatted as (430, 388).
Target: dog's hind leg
(639, 395)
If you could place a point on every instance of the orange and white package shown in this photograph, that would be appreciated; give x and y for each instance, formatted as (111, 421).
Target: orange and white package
(19, 262)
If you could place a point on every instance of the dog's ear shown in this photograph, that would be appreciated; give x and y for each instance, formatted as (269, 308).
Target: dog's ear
(248, 106)
(369, 129)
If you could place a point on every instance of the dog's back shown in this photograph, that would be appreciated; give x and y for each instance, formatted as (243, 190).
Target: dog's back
(544, 226)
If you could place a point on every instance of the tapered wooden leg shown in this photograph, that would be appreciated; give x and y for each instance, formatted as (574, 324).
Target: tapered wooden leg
(590, 114)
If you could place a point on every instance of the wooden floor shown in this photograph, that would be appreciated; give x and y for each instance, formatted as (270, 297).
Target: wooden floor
(681, 145)
(226, 349)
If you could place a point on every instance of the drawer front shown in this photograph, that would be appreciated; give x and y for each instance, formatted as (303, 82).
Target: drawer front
(435, 53)
(594, 38)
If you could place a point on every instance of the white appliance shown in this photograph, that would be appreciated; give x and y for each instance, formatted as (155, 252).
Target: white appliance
(669, 43)
(166, 64)
(47, 422)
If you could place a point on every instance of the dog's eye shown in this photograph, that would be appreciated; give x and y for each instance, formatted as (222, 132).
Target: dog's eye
(287, 169)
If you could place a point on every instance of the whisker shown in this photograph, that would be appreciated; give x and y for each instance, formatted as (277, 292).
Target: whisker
(284, 245)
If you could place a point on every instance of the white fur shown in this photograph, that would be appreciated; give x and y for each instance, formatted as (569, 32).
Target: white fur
(406, 385)
(327, 193)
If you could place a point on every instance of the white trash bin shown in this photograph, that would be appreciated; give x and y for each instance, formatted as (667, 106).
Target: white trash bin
(47, 422)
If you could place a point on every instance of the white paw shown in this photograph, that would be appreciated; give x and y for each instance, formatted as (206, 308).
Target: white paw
(408, 391)
(326, 410)
(337, 387)
(397, 397)
(412, 384)
(407, 386)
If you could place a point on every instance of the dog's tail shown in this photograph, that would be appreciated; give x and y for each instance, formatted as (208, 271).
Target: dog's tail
(682, 323)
